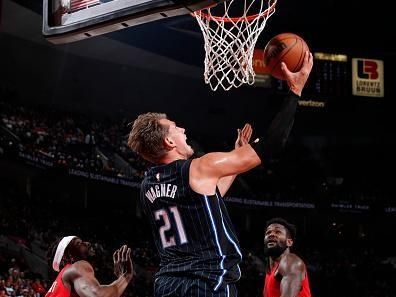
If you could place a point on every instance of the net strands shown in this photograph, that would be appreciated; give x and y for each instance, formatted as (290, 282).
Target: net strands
(230, 41)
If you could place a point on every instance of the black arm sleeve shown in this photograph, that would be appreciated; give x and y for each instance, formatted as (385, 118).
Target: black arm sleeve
(279, 129)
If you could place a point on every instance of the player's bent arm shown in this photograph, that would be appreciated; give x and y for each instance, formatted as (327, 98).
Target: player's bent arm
(206, 171)
(293, 271)
(81, 276)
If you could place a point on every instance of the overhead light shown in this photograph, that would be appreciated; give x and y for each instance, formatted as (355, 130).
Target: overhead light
(331, 57)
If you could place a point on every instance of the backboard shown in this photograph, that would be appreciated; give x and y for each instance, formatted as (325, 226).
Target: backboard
(66, 21)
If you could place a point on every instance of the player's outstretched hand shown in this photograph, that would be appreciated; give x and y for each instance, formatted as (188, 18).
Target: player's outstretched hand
(244, 135)
(123, 262)
(296, 80)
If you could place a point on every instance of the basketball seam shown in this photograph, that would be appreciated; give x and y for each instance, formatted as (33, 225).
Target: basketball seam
(280, 58)
(299, 64)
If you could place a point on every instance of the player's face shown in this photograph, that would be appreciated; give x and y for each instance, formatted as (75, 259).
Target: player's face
(82, 249)
(276, 240)
(178, 138)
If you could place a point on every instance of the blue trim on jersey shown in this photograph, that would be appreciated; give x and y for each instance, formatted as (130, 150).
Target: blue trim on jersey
(226, 232)
(217, 243)
(228, 235)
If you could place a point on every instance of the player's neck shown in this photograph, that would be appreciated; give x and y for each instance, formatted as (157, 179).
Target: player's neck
(275, 260)
(171, 157)
(273, 263)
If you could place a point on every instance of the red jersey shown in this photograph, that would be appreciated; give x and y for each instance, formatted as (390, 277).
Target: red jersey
(272, 285)
(58, 289)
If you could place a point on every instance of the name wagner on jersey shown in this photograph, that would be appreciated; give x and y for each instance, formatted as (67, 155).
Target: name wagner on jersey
(161, 190)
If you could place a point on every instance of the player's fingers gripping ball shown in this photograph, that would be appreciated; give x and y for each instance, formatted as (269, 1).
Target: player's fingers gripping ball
(285, 47)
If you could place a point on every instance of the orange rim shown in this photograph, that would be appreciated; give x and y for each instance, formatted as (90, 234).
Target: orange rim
(248, 18)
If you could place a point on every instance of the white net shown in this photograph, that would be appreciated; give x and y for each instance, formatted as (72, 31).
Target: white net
(230, 42)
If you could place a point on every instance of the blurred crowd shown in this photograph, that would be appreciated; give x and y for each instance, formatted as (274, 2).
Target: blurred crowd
(69, 140)
(17, 281)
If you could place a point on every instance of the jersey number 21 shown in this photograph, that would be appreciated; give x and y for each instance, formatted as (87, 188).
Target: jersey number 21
(165, 214)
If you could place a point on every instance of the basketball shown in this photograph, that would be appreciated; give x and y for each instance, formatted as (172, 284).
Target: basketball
(284, 47)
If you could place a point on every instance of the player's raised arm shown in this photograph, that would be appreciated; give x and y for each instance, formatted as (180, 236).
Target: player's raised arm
(69, 256)
(206, 171)
(81, 275)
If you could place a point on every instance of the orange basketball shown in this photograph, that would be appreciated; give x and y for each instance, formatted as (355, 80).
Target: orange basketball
(284, 47)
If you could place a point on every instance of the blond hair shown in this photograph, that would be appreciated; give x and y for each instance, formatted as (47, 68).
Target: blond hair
(147, 135)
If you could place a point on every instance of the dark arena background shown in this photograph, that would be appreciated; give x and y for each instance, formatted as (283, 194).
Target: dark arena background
(65, 168)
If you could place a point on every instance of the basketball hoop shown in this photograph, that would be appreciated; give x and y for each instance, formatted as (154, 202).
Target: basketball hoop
(230, 41)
